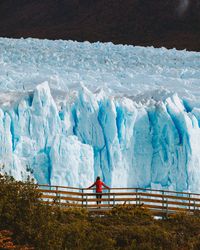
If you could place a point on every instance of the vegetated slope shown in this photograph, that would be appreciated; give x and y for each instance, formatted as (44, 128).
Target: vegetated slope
(25, 218)
(170, 23)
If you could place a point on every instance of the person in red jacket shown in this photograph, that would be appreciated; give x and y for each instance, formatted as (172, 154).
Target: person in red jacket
(99, 187)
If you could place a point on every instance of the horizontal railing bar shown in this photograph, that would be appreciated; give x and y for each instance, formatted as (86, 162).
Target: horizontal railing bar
(62, 204)
(121, 194)
(165, 208)
(170, 202)
(81, 194)
(88, 200)
(169, 197)
(158, 190)
(111, 199)
(115, 188)
(59, 192)
(62, 198)
(54, 186)
(122, 200)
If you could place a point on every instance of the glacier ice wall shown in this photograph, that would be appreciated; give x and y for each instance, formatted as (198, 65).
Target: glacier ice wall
(129, 114)
(129, 144)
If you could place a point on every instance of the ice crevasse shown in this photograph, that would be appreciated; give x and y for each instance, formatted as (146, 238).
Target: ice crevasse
(127, 143)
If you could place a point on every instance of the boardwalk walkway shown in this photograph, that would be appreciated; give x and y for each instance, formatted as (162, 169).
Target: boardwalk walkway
(159, 202)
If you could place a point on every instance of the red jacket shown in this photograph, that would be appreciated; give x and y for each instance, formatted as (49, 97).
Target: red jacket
(99, 186)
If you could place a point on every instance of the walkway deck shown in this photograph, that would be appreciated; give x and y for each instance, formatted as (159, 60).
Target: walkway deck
(159, 202)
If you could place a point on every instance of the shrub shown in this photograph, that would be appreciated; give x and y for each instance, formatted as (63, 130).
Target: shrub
(22, 213)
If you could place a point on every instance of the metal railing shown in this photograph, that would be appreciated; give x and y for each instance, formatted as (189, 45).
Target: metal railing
(158, 201)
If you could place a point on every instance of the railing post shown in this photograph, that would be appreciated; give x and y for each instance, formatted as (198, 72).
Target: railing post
(136, 196)
(82, 190)
(189, 201)
(163, 199)
(139, 199)
(113, 200)
(109, 196)
(166, 207)
(86, 201)
(58, 196)
(194, 205)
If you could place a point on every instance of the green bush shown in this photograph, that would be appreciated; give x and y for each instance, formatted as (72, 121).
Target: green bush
(22, 212)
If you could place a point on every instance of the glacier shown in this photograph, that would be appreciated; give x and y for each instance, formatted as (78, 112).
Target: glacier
(70, 111)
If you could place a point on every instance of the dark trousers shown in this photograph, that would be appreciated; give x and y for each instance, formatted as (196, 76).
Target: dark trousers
(98, 196)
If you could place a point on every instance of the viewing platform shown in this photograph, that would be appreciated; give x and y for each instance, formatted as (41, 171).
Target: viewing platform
(159, 202)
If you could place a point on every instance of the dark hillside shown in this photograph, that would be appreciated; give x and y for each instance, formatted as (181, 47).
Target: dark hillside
(169, 23)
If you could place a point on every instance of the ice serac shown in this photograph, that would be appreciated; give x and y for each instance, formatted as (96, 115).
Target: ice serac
(127, 143)
(72, 162)
(34, 140)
